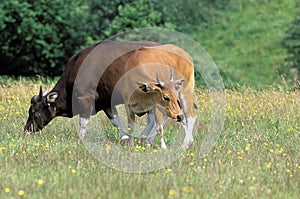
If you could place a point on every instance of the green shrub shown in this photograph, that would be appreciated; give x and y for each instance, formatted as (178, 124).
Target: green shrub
(292, 43)
(136, 14)
(38, 37)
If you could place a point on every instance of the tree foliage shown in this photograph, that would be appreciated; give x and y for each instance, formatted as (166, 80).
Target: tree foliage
(188, 16)
(38, 37)
(137, 14)
(292, 42)
(100, 16)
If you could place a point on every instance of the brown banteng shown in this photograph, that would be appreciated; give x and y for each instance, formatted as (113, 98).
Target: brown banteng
(60, 100)
(146, 62)
(88, 83)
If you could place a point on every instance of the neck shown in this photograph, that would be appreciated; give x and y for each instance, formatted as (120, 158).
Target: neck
(64, 99)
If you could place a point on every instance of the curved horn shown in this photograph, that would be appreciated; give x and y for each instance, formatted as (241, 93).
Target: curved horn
(172, 76)
(41, 92)
(47, 90)
(159, 80)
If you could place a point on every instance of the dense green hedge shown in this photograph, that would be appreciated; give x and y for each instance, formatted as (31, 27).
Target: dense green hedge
(39, 36)
(292, 41)
(243, 37)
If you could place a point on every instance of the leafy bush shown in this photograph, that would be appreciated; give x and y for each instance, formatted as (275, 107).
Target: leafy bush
(244, 37)
(100, 17)
(136, 14)
(39, 37)
(292, 43)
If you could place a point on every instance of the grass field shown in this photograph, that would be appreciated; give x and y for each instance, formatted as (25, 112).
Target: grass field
(256, 156)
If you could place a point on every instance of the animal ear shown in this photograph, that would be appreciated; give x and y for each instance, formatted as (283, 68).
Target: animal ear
(179, 83)
(47, 90)
(35, 99)
(51, 97)
(148, 87)
(144, 87)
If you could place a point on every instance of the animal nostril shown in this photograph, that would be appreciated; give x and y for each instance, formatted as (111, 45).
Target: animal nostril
(179, 118)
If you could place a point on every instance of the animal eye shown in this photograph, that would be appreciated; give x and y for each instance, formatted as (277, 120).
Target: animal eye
(166, 98)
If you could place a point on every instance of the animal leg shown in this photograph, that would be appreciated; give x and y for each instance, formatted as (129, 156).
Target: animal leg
(83, 125)
(150, 131)
(190, 117)
(162, 140)
(131, 119)
(159, 116)
(188, 127)
(114, 118)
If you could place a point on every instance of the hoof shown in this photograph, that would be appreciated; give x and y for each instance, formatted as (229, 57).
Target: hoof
(125, 137)
(81, 137)
(28, 132)
(187, 145)
(164, 146)
(125, 140)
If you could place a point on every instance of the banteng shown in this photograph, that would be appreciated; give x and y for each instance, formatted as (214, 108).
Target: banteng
(88, 84)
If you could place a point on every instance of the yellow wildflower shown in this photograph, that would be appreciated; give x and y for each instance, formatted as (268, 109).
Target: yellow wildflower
(172, 192)
(108, 148)
(187, 189)
(21, 192)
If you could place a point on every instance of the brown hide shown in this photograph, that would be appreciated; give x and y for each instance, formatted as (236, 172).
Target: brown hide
(75, 83)
(75, 93)
(93, 75)
(145, 63)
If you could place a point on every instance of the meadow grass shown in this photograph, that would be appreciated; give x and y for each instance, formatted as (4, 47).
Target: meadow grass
(256, 156)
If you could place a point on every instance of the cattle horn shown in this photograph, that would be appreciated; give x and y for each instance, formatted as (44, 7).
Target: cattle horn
(172, 76)
(47, 90)
(159, 80)
(41, 92)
